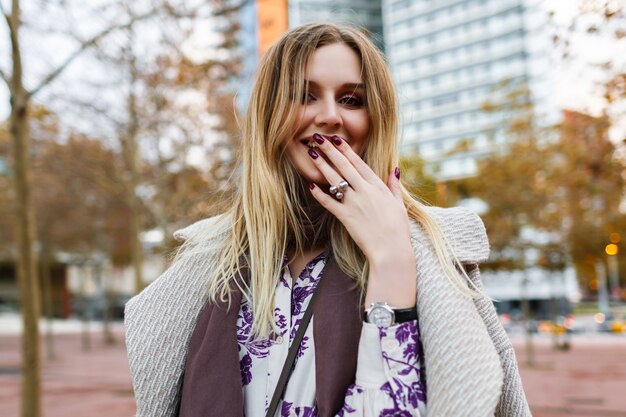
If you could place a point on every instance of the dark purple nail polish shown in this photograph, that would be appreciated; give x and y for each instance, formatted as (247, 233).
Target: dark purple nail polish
(318, 138)
(313, 154)
(336, 140)
(311, 185)
(396, 172)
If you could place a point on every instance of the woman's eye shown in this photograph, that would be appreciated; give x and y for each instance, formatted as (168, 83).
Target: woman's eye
(353, 101)
(307, 98)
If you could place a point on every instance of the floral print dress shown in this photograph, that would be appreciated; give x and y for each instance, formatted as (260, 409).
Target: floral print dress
(389, 379)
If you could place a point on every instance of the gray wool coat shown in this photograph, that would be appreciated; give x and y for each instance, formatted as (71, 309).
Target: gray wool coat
(471, 370)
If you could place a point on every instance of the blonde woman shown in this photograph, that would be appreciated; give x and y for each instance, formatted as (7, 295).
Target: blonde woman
(397, 323)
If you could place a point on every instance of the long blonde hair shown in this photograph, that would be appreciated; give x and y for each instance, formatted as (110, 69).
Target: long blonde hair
(265, 211)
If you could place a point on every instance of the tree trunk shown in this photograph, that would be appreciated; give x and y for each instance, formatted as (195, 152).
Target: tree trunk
(25, 226)
(27, 259)
(84, 309)
(107, 287)
(530, 350)
(48, 300)
(137, 248)
(130, 148)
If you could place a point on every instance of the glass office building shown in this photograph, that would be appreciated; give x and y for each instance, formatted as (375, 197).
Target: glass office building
(448, 57)
(365, 13)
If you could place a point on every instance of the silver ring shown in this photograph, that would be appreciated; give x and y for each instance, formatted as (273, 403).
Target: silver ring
(342, 186)
(338, 195)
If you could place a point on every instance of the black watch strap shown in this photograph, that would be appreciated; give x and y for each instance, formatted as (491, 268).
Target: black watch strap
(402, 315)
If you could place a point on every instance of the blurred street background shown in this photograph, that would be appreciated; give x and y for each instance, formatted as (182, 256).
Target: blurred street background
(120, 123)
(89, 376)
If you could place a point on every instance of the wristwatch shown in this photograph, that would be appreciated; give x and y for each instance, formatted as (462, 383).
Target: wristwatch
(383, 315)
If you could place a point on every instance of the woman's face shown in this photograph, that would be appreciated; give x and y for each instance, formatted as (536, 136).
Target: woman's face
(335, 105)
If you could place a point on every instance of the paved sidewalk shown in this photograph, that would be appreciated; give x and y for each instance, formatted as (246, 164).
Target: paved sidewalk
(94, 383)
(589, 380)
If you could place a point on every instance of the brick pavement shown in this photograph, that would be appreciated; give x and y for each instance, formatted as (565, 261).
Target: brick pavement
(94, 383)
(589, 380)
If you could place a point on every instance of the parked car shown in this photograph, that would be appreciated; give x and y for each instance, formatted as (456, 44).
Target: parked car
(609, 323)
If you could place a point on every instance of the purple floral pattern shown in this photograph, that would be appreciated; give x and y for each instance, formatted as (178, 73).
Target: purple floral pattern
(248, 348)
(287, 409)
(301, 294)
(347, 407)
(403, 392)
(406, 385)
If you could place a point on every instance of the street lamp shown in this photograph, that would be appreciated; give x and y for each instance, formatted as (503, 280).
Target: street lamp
(611, 251)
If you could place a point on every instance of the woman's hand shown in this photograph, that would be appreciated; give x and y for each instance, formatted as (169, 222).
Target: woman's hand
(375, 216)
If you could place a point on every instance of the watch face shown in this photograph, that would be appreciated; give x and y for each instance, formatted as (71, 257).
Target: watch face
(380, 316)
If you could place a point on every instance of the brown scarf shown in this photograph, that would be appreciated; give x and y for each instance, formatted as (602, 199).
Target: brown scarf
(212, 379)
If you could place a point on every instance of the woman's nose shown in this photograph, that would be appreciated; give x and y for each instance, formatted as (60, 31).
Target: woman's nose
(328, 114)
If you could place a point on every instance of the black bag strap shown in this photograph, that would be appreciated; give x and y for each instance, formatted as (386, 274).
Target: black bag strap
(291, 356)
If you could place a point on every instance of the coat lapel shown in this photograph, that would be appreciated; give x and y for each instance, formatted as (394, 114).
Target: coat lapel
(463, 371)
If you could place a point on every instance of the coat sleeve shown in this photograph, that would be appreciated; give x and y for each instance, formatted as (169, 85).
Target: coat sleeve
(512, 400)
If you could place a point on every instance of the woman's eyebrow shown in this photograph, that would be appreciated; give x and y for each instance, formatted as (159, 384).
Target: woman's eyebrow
(345, 85)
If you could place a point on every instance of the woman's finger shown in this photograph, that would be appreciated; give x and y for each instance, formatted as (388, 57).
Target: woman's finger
(331, 175)
(342, 165)
(331, 204)
(393, 183)
(359, 164)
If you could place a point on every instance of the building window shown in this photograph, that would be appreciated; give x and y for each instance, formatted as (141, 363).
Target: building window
(446, 99)
(400, 5)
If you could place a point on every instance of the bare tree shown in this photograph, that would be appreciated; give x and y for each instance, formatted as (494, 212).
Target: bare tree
(177, 103)
(20, 102)
(25, 227)
(22, 94)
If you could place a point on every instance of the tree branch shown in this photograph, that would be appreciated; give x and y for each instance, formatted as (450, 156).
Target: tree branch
(4, 77)
(6, 16)
(86, 45)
